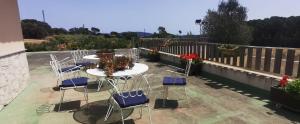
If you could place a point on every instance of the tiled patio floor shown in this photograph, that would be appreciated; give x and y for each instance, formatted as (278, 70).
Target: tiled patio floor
(213, 100)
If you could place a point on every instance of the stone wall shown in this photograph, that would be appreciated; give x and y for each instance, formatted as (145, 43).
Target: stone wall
(14, 74)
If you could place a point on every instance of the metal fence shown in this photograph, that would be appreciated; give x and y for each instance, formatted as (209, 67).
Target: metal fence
(273, 60)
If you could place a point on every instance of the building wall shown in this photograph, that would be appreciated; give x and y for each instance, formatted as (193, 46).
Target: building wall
(14, 71)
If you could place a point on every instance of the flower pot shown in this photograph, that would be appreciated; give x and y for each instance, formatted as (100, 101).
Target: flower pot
(195, 69)
(287, 100)
(153, 57)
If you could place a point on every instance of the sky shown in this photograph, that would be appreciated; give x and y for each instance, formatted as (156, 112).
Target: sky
(137, 15)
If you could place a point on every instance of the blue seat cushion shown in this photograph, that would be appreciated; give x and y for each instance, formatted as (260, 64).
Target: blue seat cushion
(84, 63)
(131, 101)
(80, 81)
(174, 81)
(69, 69)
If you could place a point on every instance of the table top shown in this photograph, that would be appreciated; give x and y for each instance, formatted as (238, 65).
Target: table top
(91, 57)
(138, 68)
(95, 57)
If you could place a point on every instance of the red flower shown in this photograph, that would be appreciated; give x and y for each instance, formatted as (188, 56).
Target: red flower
(192, 56)
(284, 81)
(285, 77)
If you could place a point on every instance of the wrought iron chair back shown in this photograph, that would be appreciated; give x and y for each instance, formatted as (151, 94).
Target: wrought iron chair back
(138, 89)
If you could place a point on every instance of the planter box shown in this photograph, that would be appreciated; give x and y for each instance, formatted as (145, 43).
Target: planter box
(287, 100)
(196, 69)
(153, 57)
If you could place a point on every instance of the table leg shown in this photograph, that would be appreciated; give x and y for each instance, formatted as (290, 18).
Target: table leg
(165, 95)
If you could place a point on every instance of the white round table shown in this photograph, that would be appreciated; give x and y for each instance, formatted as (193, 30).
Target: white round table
(95, 57)
(91, 57)
(138, 68)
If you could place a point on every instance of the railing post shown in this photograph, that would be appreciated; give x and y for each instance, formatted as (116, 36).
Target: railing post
(249, 57)
(242, 56)
(289, 62)
(278, 59)
(258, 58)
(267, 60)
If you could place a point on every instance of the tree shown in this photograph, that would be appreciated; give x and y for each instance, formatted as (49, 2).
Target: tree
(129, 35)
(162, 33)
(80, 30)
(227, 24)
(58, 31)
(114, 34)
(95, 30)
(34, 29)
(276, 31)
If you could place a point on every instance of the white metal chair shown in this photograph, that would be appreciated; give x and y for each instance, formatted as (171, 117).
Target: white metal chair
(176, 81)
(135, 54)
(78, 58)
(65, 65)
(70, 80)
(135, 95)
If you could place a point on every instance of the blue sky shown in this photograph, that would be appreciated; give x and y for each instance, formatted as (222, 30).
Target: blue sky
(137, 15)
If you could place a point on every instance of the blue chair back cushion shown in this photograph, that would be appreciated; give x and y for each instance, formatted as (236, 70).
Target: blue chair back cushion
(69, 69)
(174, 81)
(80, 81)
(131, 101)
(84, 63)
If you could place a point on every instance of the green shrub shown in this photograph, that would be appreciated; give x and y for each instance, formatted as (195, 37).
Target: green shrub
(73, 42)
(293, 87)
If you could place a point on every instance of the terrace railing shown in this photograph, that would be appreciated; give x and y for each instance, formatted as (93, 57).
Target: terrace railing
(272, 60)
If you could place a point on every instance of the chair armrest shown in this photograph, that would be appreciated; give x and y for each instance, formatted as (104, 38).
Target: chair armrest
(73, 68)
(67, 61)
(64, 59)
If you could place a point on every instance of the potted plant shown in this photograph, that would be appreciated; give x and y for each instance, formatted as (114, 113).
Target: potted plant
(228, 50)
(286, 94)
(196, 66)
(153, 55)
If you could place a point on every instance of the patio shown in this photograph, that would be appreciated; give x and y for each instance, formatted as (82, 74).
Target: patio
(212, 100)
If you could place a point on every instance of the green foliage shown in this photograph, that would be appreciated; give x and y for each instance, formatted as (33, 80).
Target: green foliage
(58, 31)
(129, 35)
(227, 24)
(33, 29)
(293, 87)
(73, 42)
(276, 31)
(162, 33)
(80, 30)
(95, 31)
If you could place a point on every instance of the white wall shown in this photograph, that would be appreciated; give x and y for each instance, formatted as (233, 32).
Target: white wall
(14, 71)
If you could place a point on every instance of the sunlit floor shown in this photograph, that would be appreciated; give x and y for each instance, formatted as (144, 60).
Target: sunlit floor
(212, 100)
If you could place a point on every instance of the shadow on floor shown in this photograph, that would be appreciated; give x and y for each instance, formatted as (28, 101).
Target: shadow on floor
(170, 104)
(217, 82)
(68, 106)
(93, 86)
(94, 113)
(294, 117)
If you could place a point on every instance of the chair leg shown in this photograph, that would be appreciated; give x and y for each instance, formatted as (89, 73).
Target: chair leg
(61, 99)
(122, 116)
(100, 82)
(110, 108)
(165, 95)
(86, 94)
(141, 112)
(149, 111)
(186, 96)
